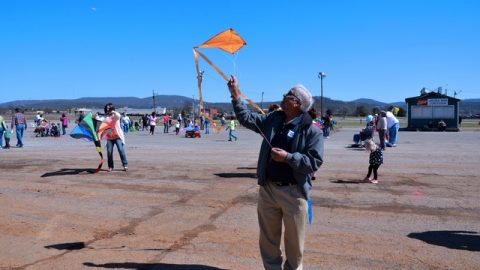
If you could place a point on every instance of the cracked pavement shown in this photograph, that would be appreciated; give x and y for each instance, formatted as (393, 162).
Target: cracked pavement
(191, 204)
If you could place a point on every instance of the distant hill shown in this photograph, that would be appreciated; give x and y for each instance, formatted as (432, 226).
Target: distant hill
(367, 101)
(467, 106)
(170, 101)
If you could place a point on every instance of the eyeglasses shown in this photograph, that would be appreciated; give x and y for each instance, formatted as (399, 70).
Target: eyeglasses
(290, 95)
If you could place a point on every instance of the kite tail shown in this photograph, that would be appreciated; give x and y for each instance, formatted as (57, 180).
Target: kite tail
(98, 145)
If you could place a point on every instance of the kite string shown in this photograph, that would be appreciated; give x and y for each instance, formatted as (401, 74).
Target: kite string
(263, 135)
(233, 60)
(234, 63)
(225, 78)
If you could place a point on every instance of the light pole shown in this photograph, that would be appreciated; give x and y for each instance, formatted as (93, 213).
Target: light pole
(321, 75)
(261, 104)
(153, 97)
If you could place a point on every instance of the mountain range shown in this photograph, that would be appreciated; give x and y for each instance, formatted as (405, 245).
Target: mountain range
(467, 106)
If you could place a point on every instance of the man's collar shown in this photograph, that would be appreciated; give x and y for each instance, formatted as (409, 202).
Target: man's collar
(295, 121)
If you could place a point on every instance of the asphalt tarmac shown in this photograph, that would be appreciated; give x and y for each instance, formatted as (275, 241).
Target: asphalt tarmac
(191, 204)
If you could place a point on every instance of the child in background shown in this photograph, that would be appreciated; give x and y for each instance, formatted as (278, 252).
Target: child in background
(177, 128)
(7, 135)
(376, 159)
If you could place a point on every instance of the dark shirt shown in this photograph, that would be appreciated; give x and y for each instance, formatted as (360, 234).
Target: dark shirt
(281, 171)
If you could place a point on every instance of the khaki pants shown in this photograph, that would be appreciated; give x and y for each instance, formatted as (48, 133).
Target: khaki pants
(274, 205)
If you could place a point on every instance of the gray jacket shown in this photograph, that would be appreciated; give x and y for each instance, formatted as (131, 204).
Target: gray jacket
(307, 147)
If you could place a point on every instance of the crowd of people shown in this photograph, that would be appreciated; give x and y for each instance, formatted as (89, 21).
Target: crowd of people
(43, 127)
(385, 124)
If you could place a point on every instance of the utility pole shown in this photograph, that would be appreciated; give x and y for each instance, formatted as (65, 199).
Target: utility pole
(261, 104)
(321, 75)
(153, 98)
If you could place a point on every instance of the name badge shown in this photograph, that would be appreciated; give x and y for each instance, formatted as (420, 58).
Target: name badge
(290, 133)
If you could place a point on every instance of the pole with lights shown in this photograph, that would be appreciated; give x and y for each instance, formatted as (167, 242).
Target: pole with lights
(321, 75)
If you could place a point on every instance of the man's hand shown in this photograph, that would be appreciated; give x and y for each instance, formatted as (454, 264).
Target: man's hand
(278, 154)
(233, 87)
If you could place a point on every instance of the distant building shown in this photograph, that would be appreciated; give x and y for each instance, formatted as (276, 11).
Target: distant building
(425, 111)
(211, 111)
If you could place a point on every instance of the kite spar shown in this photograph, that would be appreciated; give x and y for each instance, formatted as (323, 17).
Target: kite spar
(85, 129)
(228, 41)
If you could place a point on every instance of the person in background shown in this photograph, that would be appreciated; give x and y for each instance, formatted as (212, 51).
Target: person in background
(152, 121)
(179, 118)
(64, 121)
(145, 123)
(393, 125)
(20, 123)
(3, 128)
(114, 135)
(4, 133)
(166, 123)
(313, 114)
(177, 127)
(326, 124)
(7, 134)
(231, 130)
(382, 128)
(207, 125)
(291, 152)
(38, 118)
(442, 126)
(125, 122)
(202, 122)
(375, 160)
(222, 120)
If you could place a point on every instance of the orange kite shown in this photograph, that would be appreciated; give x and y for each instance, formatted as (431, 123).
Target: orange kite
(228, 41)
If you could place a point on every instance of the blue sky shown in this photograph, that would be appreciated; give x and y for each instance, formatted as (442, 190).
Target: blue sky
(384, 50)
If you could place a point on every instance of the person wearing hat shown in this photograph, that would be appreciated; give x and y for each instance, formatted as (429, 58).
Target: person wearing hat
(292, 150)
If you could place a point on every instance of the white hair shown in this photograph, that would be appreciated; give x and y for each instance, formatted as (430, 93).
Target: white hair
(302, 93)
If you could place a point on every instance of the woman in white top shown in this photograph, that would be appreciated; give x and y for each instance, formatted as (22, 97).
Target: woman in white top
(111, 130)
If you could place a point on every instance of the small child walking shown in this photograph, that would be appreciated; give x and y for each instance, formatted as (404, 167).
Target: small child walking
(376, 159)
(177, 127)
(4, 133)
(7, 136)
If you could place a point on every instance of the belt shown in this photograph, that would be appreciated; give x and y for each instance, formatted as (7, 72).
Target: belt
(283, 184)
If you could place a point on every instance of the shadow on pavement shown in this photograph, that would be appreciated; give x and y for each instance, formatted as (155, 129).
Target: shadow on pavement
(81, 245)
(338, 181)
(68, 246)
(237, 175)
(464, 240)
(356, 148)
(68, 172)
(153, 266)
(247, 168)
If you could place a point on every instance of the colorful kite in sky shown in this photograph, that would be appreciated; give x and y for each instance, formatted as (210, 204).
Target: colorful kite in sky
(228, 41)
(85, 129)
